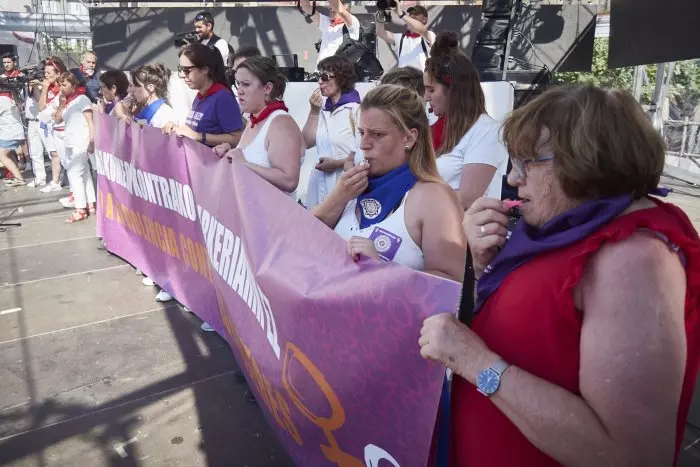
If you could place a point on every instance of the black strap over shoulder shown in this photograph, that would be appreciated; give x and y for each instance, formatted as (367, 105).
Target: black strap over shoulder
(422, 44)
(466, 302)
(307, 17)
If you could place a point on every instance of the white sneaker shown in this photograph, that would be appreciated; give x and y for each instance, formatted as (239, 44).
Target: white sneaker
(14, 182)
(36, 183)
(206, 327)
(163, 296)
(68, 202)
(148, 282)
(51, 186)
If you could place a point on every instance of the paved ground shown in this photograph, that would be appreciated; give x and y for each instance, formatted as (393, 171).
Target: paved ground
(93, 372)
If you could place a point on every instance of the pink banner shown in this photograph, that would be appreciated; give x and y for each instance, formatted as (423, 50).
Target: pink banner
(328, 345)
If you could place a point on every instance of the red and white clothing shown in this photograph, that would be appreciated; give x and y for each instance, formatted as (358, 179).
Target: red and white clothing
(413, 49)
(480, 145)
(532, 322)
(256, 153)
(11, 128)
(35, 140)
(76, 138)
(332, 35)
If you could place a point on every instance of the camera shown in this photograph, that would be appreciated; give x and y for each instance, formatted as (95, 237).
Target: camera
(384, 13)
(185, 38)
(34, 73)
(386, 4)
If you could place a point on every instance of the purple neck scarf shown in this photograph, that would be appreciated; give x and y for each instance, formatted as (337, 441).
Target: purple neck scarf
(345, 98)
(527, 242)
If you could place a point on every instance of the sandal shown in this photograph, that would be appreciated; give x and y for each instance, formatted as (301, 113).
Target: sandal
(92, 209)
(77, 216)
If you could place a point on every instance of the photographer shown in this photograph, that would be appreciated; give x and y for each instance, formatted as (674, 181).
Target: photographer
(8, 65)
(204, 25)
(412, 47)
(333, 28)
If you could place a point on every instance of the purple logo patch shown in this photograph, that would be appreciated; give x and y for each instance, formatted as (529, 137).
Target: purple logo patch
(386, 243)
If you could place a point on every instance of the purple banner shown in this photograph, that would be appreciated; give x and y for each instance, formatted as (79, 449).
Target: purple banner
(329, 346)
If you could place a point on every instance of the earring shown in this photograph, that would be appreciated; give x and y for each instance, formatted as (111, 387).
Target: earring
(407, 148)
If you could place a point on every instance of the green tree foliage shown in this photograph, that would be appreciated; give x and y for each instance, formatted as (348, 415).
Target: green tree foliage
(685, 85)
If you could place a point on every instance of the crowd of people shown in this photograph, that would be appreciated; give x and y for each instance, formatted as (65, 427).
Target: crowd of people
(582, 308)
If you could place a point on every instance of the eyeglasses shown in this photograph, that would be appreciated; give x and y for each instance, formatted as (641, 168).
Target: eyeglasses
(520, 165)
(326, 76)
(184, 71)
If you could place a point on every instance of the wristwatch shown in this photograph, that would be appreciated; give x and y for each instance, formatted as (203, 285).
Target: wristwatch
(489, 380)
(403, 13)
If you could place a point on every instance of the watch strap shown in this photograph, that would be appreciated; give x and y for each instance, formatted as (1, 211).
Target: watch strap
(403, 13)
(500, 366)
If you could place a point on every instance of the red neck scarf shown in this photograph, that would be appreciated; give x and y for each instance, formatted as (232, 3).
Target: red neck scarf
(71, 98)
(438, 131)
(337, 22)
(269, 108)
(411, 34)
(12, 74)
(213, 89)
(53, 91)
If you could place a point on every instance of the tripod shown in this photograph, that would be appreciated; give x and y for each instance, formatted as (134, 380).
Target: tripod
(5, 216)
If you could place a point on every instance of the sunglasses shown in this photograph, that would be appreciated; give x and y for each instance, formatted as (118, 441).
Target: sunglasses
(183, 71)
(326, 76)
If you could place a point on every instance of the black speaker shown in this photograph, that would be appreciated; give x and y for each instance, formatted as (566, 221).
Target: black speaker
(493, 31)
(8, 48)
(289, 68)
(293, 74)
(497, 7)
(487, 57)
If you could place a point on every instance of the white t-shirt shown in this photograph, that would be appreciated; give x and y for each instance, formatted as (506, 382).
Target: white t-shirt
(332, 36)
(412, 51)
(481, 145)
(222, 46)
(11, 128)
(77, 133)
(31, 108)
(163, 115)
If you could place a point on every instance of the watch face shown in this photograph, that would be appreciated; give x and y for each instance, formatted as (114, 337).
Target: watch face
(488, 381)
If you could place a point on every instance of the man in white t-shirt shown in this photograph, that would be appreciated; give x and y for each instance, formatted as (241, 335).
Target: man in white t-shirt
(412, 47)
(204, 25)
(334, 27)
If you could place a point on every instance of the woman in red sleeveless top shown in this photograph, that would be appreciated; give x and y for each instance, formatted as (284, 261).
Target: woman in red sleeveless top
(585, 343)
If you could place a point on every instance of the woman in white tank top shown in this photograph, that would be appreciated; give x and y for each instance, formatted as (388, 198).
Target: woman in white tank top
(394, 206)
(271, 145)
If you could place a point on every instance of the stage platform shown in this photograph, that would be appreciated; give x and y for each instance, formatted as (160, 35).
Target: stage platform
(94, 372)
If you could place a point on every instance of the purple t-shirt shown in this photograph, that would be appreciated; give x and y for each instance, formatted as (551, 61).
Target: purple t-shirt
(216, 112)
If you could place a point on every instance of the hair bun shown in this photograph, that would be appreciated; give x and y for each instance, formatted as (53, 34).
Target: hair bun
(445, 42)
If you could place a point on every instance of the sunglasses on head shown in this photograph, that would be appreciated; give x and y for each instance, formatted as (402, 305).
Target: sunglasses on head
(326, 76)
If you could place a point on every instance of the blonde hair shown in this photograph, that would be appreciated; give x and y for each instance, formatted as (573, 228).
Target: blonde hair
(602, 141)
(407, 109)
